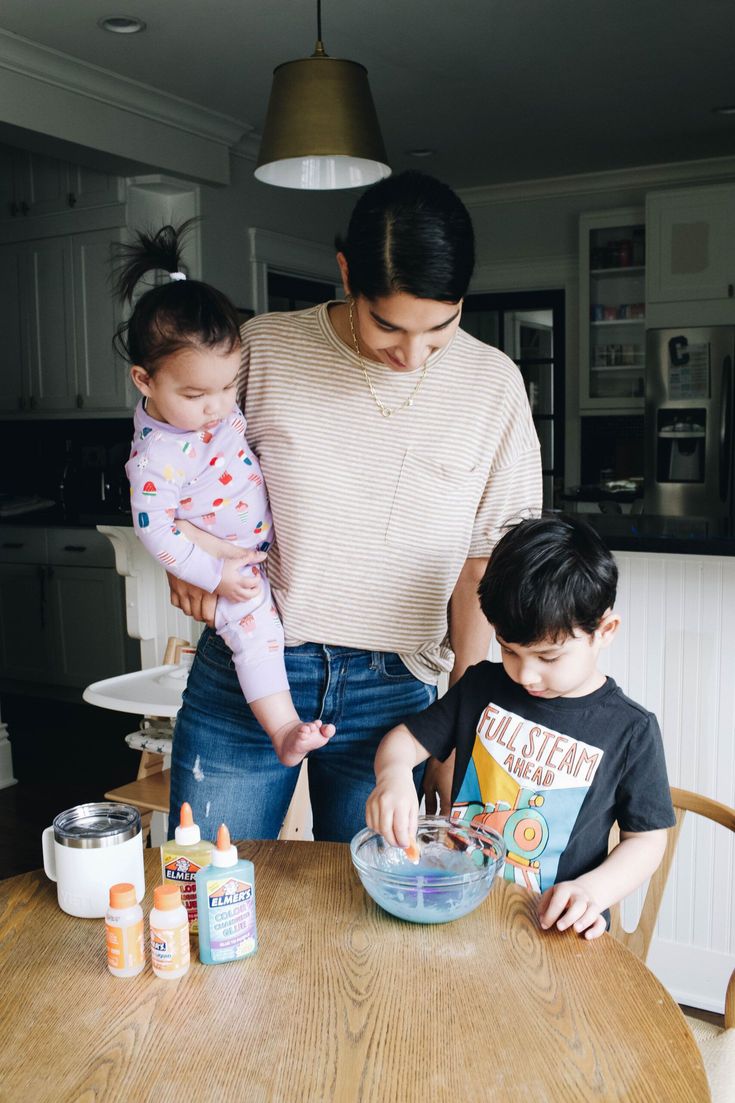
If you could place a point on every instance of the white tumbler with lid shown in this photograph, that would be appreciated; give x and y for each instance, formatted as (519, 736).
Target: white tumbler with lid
(88, 849)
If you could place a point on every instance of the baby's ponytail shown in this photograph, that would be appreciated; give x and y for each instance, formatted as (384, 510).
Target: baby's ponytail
(179, 313)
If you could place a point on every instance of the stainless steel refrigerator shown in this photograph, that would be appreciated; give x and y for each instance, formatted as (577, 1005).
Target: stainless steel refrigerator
(689, 422)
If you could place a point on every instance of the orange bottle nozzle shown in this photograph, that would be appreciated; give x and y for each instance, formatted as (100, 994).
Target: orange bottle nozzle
(223, 837)
(186, 816)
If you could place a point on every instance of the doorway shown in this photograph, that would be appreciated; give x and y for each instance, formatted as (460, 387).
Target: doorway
(528, 326)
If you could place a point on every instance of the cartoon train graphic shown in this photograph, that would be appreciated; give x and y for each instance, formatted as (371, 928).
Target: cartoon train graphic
(524, 829)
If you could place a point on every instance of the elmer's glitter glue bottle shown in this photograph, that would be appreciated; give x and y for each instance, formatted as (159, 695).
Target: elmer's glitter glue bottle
(226, 905)
(181, 859)
(169, 933)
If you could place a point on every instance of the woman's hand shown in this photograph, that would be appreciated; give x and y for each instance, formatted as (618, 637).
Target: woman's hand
(438, 786)
(192, 600)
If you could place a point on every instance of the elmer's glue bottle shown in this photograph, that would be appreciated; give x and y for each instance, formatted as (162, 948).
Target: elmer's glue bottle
(226, 905)
(124, 932)
(182, 858)
(169, 933)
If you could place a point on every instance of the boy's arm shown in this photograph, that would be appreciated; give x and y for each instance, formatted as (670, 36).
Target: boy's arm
(392, 808)
(580, 903)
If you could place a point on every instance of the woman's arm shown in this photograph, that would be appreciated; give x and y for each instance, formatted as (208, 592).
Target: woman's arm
(469, 636)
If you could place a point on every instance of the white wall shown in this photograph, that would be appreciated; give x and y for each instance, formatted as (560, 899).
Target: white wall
(229, 212)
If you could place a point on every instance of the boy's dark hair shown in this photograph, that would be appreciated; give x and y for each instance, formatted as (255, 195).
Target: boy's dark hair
(178, 313)
(410, 233)
(546, 578)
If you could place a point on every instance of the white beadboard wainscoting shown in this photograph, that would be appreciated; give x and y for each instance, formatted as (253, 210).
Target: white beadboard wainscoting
(675, 654)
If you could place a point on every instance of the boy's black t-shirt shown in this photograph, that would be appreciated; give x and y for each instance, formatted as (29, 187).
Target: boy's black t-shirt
(551, 776)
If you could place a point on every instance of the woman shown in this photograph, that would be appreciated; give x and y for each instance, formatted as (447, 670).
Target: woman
(394, 447)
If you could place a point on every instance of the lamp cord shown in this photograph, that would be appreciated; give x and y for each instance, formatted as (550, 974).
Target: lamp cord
(318, 20)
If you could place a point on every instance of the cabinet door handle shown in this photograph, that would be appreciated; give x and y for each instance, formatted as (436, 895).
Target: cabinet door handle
(71, 199)
(80, 401)
(75, 547)
(24, 207)
(730, 290)
(13, 544)
(33, 402)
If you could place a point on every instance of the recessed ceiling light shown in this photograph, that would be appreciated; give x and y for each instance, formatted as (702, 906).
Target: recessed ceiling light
(729, 109)
(421, 152)
(121, 24)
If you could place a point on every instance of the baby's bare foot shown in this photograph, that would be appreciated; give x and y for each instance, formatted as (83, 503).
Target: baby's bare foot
(294, 743)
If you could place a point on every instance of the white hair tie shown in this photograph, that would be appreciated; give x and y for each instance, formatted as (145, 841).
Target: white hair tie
(177, 275)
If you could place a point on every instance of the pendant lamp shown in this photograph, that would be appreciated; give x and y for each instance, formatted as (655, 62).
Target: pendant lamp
(321, 130)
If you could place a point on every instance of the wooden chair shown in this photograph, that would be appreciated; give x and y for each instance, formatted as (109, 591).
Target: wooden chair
(717, 1045)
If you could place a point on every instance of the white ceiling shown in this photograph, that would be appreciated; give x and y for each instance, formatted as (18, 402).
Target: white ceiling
(503, 90)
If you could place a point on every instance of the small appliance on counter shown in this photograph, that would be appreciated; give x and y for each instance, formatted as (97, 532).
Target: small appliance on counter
(689, 422)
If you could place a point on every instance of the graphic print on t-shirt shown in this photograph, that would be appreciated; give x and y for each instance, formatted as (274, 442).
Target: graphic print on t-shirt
(528, 783)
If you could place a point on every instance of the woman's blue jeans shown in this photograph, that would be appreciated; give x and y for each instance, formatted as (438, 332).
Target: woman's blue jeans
(224, 764)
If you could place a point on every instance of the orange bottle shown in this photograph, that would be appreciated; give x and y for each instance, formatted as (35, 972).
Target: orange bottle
(124, 932)
(169, 925)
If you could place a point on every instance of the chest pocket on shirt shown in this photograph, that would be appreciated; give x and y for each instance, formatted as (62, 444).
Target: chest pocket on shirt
(434, 505)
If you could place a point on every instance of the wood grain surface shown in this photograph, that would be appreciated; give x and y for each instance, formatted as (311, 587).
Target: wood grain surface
(341, 1003)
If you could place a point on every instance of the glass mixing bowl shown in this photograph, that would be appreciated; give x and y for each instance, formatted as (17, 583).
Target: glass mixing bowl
(455, 872)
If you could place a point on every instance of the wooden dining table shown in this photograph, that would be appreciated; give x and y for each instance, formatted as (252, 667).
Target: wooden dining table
(342, 1002)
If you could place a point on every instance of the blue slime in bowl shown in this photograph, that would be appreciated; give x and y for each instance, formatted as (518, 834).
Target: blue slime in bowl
(456, 871)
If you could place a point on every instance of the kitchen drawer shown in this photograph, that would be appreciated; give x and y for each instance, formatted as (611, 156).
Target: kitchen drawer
(19, 544)
(81, 547)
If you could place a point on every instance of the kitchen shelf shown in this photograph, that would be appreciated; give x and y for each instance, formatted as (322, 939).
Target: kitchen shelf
(620, 322)
(631, 270)
(617, 367)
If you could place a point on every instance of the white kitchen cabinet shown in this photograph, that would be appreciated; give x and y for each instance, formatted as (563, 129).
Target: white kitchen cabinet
(58, 317)
(611, 310)
(62, 615)
(691, 253)
(32, 184)
(23, 621)
(47, 313)
(100, 375)
(14, 385)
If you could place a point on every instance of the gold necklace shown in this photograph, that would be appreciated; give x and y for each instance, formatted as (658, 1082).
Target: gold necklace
(386, 411)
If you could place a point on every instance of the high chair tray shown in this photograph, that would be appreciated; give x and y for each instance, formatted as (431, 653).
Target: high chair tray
(153, 692)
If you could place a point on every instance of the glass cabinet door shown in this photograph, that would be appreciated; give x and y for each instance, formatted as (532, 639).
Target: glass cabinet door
(612, 311)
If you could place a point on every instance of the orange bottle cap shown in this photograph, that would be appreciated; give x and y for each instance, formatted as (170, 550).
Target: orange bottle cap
(223, 837)
(166, 897)
(186, 816)
(122, 895)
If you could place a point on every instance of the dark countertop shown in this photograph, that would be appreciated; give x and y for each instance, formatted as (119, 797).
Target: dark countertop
(621, 532)
(56, 517)
(675, 535)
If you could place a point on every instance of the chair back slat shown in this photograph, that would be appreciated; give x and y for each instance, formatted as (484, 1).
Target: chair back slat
(639, 940)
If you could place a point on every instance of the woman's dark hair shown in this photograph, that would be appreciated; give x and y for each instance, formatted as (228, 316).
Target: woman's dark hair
(178, 313)
(409, 233)
(546, 578)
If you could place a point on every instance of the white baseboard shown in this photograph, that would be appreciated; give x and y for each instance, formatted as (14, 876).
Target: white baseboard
(693, 976)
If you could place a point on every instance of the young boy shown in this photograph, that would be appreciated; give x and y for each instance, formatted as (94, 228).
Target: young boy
(549, 751)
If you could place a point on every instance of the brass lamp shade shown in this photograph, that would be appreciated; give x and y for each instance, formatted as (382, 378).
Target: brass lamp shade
(321, 131)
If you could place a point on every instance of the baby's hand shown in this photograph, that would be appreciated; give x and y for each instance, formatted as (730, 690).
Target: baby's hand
(293, 742)
(240, 579)
(392, 808)
(569, 904)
